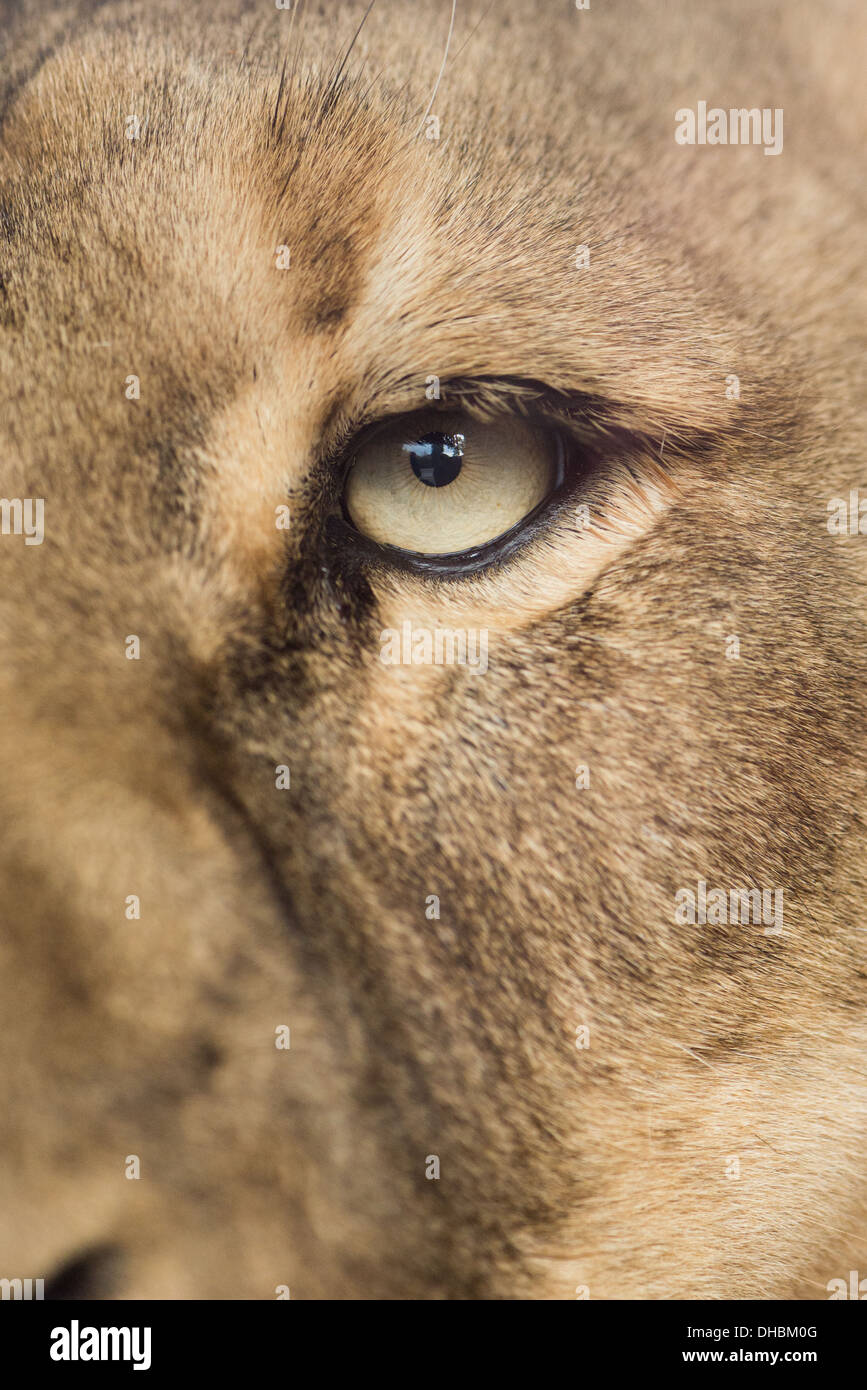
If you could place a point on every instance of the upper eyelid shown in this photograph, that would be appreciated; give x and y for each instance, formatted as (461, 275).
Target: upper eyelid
(589, 419)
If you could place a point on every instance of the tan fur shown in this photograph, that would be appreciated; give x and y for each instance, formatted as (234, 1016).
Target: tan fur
(603, 1167)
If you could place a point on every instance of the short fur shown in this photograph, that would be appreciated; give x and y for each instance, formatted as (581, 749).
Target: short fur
(605, 1167)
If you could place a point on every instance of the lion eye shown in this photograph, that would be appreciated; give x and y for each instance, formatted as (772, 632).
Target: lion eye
(439, 484)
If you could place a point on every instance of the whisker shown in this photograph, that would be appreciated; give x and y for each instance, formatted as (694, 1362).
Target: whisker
(442, 68)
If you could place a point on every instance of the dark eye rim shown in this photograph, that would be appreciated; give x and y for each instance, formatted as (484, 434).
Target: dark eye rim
(464, 562)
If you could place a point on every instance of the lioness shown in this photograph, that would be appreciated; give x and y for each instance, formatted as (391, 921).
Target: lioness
(432, 596)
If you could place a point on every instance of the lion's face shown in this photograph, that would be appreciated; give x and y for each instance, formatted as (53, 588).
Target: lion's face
(435, 593)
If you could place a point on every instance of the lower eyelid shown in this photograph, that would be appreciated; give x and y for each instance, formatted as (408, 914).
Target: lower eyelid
(556, 568)
(550, 566)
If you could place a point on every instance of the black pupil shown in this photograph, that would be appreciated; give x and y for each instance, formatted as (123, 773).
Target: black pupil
(437, 459)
